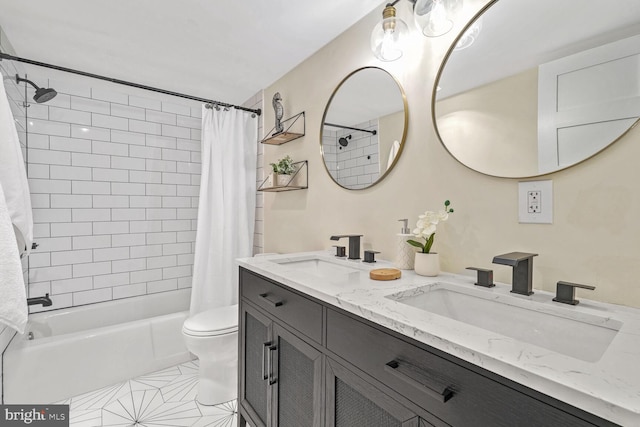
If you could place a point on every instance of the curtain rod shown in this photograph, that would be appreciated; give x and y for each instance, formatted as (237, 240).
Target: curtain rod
(126, 83)
(372, 132)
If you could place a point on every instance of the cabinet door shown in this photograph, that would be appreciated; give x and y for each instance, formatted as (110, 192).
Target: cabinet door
(352, 402)
(297, 381)
(254, 356)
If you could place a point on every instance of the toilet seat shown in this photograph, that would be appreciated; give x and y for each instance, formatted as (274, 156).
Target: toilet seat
(217, 321)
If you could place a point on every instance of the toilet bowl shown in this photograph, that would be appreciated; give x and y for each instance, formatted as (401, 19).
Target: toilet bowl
(212, 336)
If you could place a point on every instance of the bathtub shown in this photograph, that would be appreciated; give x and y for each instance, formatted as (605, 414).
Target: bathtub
(80, 349)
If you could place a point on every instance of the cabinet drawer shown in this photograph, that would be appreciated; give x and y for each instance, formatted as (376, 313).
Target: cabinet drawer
(457, 395)
(295, 310)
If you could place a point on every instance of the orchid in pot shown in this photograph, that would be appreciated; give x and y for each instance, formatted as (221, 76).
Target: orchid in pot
(427, 263)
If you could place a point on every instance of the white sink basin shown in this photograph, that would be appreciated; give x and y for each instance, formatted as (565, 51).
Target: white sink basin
(579, 335)
(320, 266)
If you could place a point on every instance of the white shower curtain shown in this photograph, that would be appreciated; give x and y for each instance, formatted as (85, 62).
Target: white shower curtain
(227, 205)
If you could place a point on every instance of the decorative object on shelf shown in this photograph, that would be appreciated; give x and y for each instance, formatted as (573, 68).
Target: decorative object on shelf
(283, 169)
(426, 229)
(288, 133)
(279, 112)
(298, 179)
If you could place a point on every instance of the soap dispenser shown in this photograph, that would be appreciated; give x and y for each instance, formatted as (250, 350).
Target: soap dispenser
(405, 253)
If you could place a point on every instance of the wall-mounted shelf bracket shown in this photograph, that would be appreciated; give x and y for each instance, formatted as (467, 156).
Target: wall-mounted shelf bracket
(290, 133)
(298, 181)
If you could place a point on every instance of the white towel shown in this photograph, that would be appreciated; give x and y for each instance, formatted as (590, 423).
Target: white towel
(13, 296)
(393, 152)
(13, 177)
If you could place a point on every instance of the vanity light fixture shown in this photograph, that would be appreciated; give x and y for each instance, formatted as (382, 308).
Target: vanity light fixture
(388, 35)
(469, 36)
(432, 17)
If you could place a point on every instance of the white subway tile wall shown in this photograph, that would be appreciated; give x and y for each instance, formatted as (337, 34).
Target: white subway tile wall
(256, 102)
(358, 163)
(115, 184)
(115, 197)
(108, 174)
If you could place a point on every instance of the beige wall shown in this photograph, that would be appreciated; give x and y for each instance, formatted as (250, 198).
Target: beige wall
(595, 234)
(494, 128)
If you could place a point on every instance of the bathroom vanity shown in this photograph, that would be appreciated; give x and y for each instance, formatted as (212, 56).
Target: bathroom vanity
(322, 344)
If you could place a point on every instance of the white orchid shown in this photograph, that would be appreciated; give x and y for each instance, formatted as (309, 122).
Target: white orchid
(426, 227)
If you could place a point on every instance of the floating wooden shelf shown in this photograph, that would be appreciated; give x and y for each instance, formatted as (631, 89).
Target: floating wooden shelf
(287, 135)
(299, 180)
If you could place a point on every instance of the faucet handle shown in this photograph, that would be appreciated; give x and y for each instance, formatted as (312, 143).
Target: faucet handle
(340, 251)
(485, 277)
(566, 292)
(370, 256)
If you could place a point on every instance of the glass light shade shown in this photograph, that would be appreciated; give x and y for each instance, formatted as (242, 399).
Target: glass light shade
(432, 17)
(469, 36)
(387, 39)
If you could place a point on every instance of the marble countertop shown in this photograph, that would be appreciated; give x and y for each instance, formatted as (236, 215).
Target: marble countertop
(608, 387)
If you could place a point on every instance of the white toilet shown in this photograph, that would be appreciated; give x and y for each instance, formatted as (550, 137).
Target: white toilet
(212, 336)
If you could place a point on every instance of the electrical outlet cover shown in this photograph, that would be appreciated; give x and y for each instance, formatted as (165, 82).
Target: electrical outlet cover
(535, 202)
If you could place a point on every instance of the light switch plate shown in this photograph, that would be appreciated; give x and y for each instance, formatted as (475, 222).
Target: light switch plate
(535, 202)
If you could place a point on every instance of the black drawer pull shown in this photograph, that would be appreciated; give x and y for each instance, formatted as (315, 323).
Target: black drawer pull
(264, 360)
(272, 380)
(271, 300)
(416, 377)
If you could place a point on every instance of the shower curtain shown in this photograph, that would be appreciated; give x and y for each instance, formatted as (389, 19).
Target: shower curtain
(226, 210)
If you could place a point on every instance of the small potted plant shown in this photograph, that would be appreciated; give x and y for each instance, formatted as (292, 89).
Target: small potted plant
(282, 171)
(427, 263)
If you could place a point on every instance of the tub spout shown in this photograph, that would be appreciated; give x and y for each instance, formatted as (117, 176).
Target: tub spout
(45, 301)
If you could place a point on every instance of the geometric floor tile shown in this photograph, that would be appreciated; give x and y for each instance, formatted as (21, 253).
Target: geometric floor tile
(166, 398)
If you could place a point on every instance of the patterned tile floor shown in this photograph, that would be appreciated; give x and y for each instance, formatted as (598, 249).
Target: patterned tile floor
(165, 398)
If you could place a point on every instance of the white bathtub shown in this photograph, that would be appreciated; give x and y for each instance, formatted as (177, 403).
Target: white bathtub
(85, 348)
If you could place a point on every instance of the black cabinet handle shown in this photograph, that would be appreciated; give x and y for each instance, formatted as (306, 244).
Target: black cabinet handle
(416, 377)
(272, 380)
(264, 360)
(271, 300)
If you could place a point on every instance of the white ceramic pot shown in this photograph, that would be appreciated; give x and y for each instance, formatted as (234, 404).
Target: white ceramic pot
(283, 180)
(427, 264)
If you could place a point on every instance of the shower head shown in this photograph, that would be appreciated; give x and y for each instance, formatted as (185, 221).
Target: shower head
(343, 140)
(42, 94)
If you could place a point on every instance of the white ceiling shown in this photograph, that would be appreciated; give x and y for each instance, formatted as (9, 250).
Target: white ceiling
(222, 50)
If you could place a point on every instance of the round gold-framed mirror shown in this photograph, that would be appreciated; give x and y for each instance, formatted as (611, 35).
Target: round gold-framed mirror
(364, 128)
(542, 86)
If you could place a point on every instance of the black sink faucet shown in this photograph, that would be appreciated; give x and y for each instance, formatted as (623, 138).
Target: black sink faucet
(522, 263)
(354, 244)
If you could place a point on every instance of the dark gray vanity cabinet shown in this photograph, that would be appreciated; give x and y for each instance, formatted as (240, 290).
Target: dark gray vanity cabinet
(305, 363)
(351, 401)
(280, 382)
